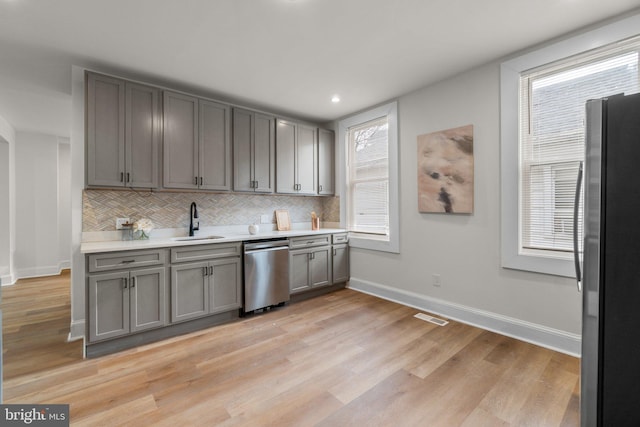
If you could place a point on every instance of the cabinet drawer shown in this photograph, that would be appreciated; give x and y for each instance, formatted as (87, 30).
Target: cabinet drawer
(340, 238)
(129, 259)
(205, 252)
(309, 241)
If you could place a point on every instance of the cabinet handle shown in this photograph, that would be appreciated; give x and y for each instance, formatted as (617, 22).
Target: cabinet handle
(335, 252)
(205, 271)
(310, 242)
(320, 188)
(201, 181)
(124, 279)
(255, 184)
(128, 180)
(121, 176)
(211, 271)
(133, 282)
(195, 180)
(128, 261)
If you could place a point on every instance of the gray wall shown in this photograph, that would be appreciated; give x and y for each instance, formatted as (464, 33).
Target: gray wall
(42, 180)
(5, 257)
(463, 249)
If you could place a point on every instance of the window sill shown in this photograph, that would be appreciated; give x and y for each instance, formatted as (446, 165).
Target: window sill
(373, 242)
(540, 264)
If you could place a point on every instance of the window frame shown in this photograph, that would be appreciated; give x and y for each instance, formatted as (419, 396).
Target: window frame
(385, 243)
(510, 70)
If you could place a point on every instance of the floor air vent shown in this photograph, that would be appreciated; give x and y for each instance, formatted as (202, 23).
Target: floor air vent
(431, 319)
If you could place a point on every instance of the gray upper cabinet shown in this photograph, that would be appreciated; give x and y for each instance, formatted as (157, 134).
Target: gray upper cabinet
(253, 151)
(214, 146)
(180, 141)
(286, 135)
(296, 157)
(142, 130)
(105, 131)
(326, 162)
(123, 128)
(197, 143)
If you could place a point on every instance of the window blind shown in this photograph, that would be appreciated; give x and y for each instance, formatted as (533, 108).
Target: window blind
(552, 137)
(368, 177)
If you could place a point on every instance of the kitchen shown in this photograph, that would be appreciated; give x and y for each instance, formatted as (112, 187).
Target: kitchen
(468, 247)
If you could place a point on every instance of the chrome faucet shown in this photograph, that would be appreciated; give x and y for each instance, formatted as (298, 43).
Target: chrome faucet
(193, 214)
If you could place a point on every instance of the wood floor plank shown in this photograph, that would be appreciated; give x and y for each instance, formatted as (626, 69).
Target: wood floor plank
(344, 359)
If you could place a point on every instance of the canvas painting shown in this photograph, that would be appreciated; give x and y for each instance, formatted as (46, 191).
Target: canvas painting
(445, 171)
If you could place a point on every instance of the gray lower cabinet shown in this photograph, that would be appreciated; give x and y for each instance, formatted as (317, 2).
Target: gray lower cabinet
(309, 268)
(123, 133)
(340, 251)
(189, 291)
(123, 302)
(205, 279)
(296, 158)
(202, 288)
(340, 263)
(253, 151)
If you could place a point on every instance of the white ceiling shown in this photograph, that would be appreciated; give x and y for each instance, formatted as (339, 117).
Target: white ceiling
(289, 56)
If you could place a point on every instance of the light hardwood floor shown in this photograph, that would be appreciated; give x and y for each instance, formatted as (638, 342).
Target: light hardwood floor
(338, 360)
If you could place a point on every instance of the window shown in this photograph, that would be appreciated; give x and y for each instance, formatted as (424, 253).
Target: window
(369, 167)
(552, 138)
(368, 177)
(542, 150)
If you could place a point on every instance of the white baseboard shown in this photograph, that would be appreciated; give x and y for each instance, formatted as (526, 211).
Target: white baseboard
(543, 336)
(7, 279)
(54, 270)
(76, 330)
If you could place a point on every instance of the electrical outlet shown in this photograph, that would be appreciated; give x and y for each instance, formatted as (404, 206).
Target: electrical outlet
(265, 219)
(120, 222)
(436, 281)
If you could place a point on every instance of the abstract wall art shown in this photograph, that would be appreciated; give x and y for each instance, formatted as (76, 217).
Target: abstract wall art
(445, 171)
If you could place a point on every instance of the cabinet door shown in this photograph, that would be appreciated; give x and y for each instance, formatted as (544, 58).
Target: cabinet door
(326, 162)
(225, 285)
(320, 267)
(286, 135)
(299, 271)
(264, 148)
(215, 146)
(180, 141)
(108, 305)
(148, 295)
(142, 135)
(242, 150)
(105, 131)
(306, 159)
(340, 263)
(189, 291)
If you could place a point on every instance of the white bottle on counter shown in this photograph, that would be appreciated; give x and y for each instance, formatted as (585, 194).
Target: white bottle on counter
(254, 229)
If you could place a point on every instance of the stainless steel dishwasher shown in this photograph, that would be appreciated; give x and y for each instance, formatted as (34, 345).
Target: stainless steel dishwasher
(266, 274)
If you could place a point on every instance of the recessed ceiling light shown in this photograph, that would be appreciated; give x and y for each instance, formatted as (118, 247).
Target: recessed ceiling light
(335, 99)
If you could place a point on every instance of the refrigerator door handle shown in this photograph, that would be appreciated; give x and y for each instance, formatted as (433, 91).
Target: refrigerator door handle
(576, 208)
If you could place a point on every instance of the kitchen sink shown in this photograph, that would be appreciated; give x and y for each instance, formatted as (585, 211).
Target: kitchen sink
(192, 238)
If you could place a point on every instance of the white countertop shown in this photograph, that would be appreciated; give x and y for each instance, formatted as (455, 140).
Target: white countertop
(167, 242)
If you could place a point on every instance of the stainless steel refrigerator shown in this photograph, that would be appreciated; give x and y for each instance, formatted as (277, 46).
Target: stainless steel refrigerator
(610, 365)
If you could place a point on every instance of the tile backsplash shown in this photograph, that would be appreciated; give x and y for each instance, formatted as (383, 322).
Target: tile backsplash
(100, 208)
